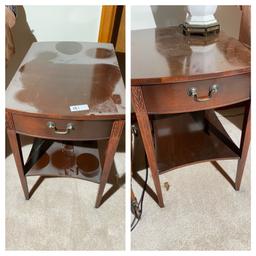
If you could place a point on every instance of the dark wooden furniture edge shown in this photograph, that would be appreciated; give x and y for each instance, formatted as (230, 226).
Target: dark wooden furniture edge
(177, 79)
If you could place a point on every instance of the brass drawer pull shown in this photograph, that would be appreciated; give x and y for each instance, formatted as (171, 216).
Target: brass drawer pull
(52, 125)
(192, 92)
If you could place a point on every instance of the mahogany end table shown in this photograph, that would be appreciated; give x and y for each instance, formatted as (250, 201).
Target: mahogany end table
(177, 83)
(70, 97)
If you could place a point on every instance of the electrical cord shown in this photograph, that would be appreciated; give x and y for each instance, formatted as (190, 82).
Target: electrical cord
(140, 204)
(137, 207)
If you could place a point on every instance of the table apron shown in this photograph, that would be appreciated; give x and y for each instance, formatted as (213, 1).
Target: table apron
(177, 97)
(81, 130)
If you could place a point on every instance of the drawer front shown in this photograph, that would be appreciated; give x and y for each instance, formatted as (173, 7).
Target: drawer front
(62, 129)
(196, 95)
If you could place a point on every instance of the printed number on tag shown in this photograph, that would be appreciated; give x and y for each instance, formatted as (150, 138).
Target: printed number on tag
(75, 108)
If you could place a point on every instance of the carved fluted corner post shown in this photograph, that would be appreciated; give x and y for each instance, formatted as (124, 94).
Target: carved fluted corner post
(145, 130)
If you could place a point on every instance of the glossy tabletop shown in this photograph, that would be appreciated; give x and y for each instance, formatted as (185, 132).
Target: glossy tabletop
(56, 75)
(165, 55)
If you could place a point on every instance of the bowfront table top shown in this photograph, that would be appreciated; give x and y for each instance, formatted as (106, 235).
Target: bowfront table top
(165, 55)
(56, 75)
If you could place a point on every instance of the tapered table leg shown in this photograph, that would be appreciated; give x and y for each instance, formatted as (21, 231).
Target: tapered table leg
(15, 144)
(244, 145)
(145, 130)
(113, 142)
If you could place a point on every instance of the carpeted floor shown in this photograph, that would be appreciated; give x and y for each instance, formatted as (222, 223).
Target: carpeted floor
(202, 211)
(61, 214)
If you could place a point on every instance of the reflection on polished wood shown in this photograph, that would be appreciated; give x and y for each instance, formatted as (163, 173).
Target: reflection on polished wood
(184, 139)
(164, 55)
(56, 162)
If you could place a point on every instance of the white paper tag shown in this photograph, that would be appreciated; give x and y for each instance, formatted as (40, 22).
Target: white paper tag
(75, 108)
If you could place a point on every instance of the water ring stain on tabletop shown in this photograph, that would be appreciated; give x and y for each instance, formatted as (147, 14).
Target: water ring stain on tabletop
(99, 53)
(69, 48)
(49, 86)
(87, 164)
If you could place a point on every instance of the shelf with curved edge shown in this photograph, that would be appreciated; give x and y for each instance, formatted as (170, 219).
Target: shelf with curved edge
(81, 160)
(190, 138)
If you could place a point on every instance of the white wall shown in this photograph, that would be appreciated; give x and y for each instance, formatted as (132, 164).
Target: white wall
(142, 17)
(64, 23)
(229, 17)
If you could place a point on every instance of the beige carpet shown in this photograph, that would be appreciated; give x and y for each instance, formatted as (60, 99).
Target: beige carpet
(202, 211)
(61, 214)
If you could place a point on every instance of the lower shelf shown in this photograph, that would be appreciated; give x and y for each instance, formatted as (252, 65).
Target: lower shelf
(66, 160)
(184, 139)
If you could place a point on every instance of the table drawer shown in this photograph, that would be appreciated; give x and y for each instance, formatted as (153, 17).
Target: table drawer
(196, 95)
(62, 129)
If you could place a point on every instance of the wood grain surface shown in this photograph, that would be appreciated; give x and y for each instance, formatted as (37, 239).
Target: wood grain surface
(165, 55)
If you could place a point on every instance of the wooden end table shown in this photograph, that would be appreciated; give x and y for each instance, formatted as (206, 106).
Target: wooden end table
(177, 83)
(70, 97)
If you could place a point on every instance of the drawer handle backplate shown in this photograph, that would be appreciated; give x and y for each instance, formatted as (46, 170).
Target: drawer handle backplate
(52, 125)
(192, 92)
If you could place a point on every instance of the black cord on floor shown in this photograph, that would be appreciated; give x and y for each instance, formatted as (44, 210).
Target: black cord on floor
(140, 204)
